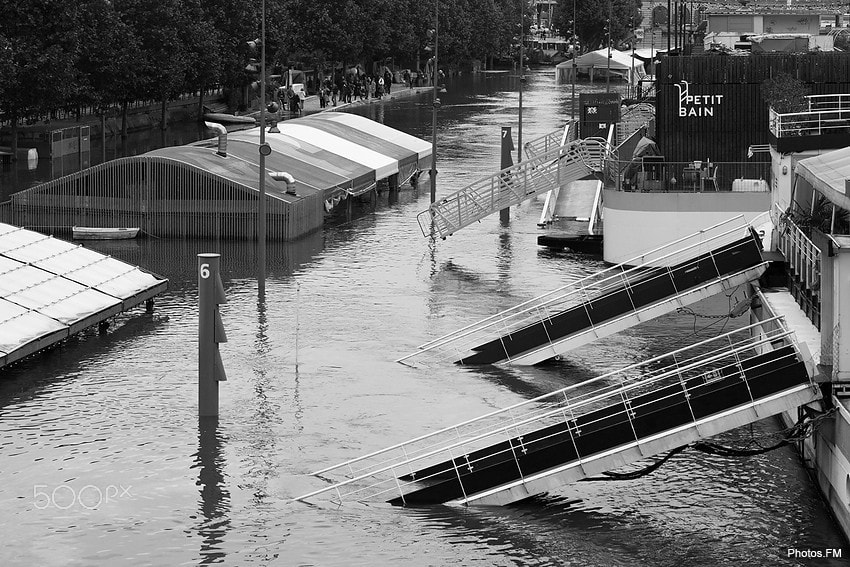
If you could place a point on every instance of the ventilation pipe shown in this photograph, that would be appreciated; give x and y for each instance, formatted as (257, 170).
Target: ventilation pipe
(222, 137)
(286, 178)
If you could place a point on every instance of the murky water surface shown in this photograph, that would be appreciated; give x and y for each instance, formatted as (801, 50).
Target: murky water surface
(103, 460)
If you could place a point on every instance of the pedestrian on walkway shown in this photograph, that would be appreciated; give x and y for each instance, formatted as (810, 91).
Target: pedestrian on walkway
(388, 80)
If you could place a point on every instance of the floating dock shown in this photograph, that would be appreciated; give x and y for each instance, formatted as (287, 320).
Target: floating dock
(51, 289)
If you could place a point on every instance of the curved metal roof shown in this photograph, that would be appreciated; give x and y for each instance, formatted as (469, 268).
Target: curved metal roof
(327, 152)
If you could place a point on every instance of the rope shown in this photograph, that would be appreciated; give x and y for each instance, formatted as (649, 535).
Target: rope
(804, 428)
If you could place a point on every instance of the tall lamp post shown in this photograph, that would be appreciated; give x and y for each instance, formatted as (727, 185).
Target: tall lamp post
(608, 41)
(436, 102)
(265, 150)
(575, 55)
(521, 77)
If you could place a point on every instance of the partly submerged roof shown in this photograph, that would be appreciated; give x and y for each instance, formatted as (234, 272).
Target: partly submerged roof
(51, 289)
(326, 152)
(827, 173)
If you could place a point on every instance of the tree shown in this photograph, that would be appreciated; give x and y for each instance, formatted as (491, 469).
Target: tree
(785, 94)
(591, 19)
(40, 48)
(161, 27)
(105, 68)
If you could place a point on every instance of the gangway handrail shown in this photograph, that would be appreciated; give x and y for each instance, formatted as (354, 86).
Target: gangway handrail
(596, 207)
(624, 386)
(577, 286)
(515, 424)
(512, 185)
(554, 139)
(566, 389)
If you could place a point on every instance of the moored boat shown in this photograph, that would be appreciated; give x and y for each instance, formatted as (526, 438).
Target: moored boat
(103, 233)
(224, 118)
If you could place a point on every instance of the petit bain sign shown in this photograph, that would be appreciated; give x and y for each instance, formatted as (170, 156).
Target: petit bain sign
(700, 105)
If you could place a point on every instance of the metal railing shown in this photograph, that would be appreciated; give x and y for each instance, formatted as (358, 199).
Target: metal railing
(552, 140)
(450, 452)
(827, 114)
(803, 260)
(692, 176)
(828, 102)
(454, 346)
(634, 118)
(513, 185)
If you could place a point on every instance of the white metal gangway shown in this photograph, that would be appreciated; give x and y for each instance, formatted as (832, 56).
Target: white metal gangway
(515, 184)
(597, 425)
(552, 140)
(674, 275)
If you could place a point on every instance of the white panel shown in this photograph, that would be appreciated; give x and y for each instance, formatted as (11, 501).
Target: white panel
(384, 166)
(47, 284)
(100, 272)
(403, 139)
(20, 326)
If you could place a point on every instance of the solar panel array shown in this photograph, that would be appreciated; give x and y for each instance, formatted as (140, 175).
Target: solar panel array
(51, 289)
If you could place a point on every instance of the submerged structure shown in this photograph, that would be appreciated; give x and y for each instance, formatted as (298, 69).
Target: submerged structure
(51, 289)
(210, 189)
(775, 179)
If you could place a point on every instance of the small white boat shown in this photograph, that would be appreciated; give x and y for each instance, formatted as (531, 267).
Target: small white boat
(223, 118)
(98, 233)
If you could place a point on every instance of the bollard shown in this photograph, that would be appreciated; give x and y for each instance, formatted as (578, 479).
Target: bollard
(507, 148)
(210, 333)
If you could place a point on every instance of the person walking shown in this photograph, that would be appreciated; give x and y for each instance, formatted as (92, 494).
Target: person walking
(388, 80)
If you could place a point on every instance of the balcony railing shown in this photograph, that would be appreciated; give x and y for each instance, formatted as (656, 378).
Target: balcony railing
(824, 124)
(650, 175)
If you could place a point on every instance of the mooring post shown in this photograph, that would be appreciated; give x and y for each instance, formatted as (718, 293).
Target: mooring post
(507, 161)
(210, 333)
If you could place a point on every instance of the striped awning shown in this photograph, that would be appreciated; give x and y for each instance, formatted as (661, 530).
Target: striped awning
(330, 152)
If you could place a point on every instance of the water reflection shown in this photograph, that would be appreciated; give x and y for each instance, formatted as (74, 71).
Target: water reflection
(215, 496)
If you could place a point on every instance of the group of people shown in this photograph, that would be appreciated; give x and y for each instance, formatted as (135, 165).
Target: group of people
(354, 86)
(343, 89)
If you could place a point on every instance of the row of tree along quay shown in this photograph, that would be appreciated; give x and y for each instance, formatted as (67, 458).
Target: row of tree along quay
(62, 59)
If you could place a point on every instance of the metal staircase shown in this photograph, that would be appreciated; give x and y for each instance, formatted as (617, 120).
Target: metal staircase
(634, 118)
(588, 428)
(659, 281)
(515, 184)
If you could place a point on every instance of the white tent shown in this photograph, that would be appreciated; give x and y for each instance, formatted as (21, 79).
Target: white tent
(596, 63)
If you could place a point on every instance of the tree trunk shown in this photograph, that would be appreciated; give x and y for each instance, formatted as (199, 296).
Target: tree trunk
(163, 125)
(124, 119)
(14, 138)
(201, 105)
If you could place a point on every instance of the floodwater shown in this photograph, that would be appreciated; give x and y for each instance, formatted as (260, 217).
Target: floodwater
(103, 460)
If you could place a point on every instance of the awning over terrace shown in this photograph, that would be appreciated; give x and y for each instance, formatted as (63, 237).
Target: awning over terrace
(305, 131)
(827, 174)
(420, 148)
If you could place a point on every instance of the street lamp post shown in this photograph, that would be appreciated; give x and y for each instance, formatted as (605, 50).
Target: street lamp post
(265, 150)
(575, 55)
(608, 63)
(436, 102)
(521, 77)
